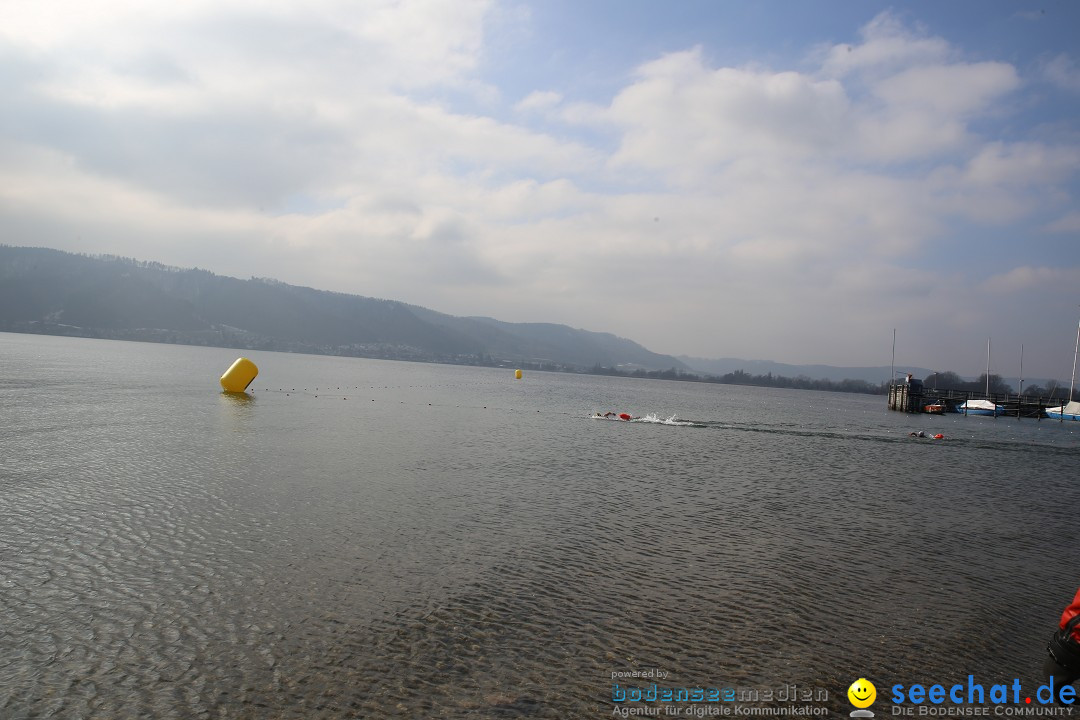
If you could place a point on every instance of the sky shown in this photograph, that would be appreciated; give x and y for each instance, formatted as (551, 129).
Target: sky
(790, 181)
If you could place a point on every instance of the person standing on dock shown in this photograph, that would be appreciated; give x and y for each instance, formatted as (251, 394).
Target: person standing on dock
(1062, 666)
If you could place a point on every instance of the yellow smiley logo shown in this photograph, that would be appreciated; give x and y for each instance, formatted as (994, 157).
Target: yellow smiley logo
(862, 693)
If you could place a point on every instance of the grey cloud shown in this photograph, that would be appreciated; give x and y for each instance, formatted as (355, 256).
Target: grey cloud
(226, 156)
(449, 259)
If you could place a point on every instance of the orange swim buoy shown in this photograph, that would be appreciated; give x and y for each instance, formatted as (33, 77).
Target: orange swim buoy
(624, 416)
(939, 436)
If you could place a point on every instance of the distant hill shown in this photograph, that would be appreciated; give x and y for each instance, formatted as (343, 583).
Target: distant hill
(721, 366)
(53, 292)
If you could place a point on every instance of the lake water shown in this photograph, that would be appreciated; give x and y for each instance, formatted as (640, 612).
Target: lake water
(368, 539)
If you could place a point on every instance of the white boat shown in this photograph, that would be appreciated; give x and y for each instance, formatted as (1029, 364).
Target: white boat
(1071, 409)
(1068, 411)
(980, 407)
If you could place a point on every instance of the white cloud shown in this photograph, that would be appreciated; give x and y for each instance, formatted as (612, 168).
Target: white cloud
(686, 119)
(910, 97)
(1021, 164)
(539, 101)
(1062, 71)
(1034, 279)
(385, 42)
(954, 90)
(888, 46)
(1004, 182)
(1068, 223)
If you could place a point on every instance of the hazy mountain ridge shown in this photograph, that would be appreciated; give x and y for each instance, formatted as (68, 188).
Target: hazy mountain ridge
(722, 366)
(546, 341)
(50, 291)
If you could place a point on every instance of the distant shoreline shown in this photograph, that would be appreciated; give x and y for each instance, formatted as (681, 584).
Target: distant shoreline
(240, 340)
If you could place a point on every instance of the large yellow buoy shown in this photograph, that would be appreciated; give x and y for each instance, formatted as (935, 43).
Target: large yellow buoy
(517, 374)
(239, 376)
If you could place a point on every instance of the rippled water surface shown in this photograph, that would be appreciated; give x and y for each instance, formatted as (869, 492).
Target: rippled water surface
(371, 539)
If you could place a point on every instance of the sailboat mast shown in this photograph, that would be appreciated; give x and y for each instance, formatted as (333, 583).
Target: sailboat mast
(1072, 383)
(892, 368)
(1019, 394)
(988, 368)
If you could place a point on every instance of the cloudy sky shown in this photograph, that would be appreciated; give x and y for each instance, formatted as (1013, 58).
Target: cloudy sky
(779, 180)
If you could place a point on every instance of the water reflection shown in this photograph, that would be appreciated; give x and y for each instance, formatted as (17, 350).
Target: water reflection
(236, 408)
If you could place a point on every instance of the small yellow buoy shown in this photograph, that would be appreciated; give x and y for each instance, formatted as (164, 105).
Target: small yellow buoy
(517, 374)
(239, 376)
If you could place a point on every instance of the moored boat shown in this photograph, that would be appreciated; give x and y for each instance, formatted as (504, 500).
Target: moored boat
(980, 407)
(1068, 411)
(1071, 409)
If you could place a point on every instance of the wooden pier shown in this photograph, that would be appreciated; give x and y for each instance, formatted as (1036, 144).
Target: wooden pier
(916, 398)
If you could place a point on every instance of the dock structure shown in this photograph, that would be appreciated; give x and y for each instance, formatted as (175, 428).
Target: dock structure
(916, 398)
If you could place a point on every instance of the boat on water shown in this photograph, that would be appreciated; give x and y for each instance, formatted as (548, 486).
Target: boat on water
(1068, 411)
(1071, 409)
(934, 409)
(980, 407)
